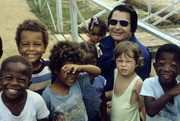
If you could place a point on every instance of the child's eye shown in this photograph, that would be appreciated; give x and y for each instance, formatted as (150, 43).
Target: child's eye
(37, 44)
(8, 78)
(100, 34)
(161, 64)
(24, 44)
(93, 34)
(21, 80)
(174, 66)
(128, 61)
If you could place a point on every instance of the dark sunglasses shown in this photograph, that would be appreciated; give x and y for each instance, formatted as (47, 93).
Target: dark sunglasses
(123, 23)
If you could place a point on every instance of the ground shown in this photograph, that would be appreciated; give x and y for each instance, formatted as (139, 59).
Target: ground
(12, 13)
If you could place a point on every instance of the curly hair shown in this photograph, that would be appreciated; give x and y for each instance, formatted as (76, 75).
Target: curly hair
(65, 51)
(89, 47)
(168, 48)
(32, 25)
(20, 59)
(128, 47)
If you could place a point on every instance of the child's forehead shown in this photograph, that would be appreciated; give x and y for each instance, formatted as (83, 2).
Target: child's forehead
(15, 66)
(28, 33)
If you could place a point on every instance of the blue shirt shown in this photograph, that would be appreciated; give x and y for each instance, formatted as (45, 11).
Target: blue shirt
(107, 64)
(92, 97)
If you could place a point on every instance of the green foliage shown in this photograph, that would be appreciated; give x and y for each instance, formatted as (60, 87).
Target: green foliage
(87, 9)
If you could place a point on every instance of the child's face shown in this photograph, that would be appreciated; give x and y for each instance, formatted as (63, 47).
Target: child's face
(125, 65)
(167, 68)
(15, 80)
(95, 34)
(31, 46)
(90, 59)
(67, 79)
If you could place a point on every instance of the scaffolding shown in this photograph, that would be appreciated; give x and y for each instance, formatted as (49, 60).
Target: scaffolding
(142, 24)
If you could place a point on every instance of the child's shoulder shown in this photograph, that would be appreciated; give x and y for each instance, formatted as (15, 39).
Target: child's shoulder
(33, 96)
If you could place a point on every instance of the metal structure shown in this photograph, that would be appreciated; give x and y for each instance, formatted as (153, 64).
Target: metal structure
(74, 11)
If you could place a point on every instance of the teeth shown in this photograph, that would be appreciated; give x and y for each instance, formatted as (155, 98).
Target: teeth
(31, 56)
(70, 80)
(12, 91)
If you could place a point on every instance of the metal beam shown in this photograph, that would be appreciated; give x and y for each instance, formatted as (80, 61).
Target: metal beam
(73, 17)
(102, 12)
(158, 33)
(160, 11)
(165, 17)
(147, 27)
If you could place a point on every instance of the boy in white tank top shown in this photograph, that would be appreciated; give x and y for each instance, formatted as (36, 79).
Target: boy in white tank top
(127, 84)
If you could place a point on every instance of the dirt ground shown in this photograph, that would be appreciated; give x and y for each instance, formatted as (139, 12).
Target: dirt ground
(12, 13)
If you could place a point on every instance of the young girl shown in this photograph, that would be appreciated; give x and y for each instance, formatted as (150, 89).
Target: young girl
(97, 31)
(16, 101)
(92, 93)
(127, 84)
(64, 97)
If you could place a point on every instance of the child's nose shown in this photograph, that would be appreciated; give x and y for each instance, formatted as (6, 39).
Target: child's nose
(167, 67)
(14, 82)
(31, 47)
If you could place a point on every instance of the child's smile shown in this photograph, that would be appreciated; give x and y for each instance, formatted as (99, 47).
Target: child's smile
(14, 80)
(167, 68)
(32, 46)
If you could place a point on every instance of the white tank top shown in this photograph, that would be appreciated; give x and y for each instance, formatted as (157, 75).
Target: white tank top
(122, 109)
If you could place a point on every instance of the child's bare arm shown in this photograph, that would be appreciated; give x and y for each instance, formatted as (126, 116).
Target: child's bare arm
(91, 69)
(154, 106)
(108, 95)
(140, 98)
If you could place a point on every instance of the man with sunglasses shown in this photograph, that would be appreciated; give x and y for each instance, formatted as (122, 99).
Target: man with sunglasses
(122, 24)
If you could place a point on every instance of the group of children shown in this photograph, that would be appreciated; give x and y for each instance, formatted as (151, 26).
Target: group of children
(71, 88)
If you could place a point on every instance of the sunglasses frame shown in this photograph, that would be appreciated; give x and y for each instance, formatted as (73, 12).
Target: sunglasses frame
(120, 22)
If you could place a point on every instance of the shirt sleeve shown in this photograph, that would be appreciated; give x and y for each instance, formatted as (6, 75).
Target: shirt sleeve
(84, 79)
(147, 88)
(42, 111)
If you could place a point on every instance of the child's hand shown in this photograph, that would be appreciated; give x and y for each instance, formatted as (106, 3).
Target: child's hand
(108, 104)
(71, 68)
(174, 91)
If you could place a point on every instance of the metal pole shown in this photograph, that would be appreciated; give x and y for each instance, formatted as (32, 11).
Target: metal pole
(73, 17)
(49, 9)
(39, 4)
(59, 16)
(149, 6)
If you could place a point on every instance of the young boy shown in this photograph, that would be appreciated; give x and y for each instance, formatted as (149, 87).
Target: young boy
(125, 95)
(162, 92)
(64, 97)
(32, 40)
(16, 102)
